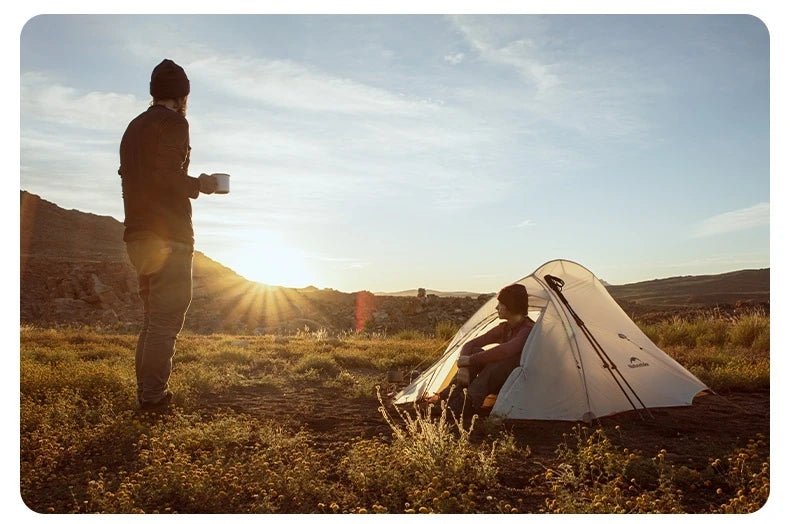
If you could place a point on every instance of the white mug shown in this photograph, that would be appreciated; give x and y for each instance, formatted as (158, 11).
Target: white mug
(223, 182)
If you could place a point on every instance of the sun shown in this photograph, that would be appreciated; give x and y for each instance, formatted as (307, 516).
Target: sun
(272, 262)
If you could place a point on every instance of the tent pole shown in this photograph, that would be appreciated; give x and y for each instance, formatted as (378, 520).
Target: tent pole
(556, 285)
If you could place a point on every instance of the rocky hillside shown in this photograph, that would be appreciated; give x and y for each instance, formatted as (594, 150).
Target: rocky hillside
(73, 269)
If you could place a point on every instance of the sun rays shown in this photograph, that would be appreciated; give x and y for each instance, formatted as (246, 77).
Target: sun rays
(256, 306)
(238, 303)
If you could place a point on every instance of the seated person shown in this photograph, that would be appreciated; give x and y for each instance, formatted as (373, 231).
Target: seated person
(487, 370)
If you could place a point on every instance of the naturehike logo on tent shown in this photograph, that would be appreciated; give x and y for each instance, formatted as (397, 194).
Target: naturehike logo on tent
(636, 363)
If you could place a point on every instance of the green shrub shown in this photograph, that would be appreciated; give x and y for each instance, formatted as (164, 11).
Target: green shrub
(231, 356)
(762, 342)
(429, 466)
(680, 332)
(749, 331)
(408, 334)
(746, 477)
(594, 476)
(230, 464)
(726, 369)
(446, 329)
(323, 365)
(356, 359)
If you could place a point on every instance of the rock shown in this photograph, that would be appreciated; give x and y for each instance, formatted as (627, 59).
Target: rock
(103, 293)
(70, 288)
(109, 316)
(97, 286)
(70, 310)
(90, 299)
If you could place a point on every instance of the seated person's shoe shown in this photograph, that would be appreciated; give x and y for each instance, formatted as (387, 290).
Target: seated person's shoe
(432, 399)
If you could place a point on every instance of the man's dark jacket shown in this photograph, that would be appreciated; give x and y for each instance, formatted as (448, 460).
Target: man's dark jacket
(156, 188)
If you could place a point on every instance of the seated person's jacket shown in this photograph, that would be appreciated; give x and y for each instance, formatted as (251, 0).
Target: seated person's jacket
(511, 342)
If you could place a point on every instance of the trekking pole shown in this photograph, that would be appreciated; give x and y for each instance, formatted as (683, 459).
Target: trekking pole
(556, 284)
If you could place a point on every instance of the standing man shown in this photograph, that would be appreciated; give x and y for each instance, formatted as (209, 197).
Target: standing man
(158, 218)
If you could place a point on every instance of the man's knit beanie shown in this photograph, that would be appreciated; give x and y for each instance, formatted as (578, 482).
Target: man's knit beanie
(515, 298)
(169, 81)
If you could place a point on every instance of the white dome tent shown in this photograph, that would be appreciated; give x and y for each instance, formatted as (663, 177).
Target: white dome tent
(584, 359)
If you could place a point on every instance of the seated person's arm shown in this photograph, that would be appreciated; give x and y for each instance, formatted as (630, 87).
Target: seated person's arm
(505, 350)
(475, 345)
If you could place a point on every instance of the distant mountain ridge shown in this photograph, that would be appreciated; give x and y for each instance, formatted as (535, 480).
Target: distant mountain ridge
(413, 293)
(74, 269)
(743, 286)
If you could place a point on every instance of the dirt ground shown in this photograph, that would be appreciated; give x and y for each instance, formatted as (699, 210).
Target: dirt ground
(711, 428)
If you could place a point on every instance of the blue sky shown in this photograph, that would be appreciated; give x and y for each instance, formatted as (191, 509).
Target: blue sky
(387, 152)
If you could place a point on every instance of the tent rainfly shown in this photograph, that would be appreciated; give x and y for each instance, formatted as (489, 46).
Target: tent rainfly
(584, 359)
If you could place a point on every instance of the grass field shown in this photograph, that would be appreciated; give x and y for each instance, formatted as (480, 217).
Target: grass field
(295, 424)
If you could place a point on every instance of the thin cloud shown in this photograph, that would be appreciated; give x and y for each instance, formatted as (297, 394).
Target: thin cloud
(346, 126)
(268, 152)
(526, 223)
(748, 218)
(64, 167)
(568, 89)
(288, 84)
(43, 98)
(521, 54)
(283, 83)
(342, 262)
(338, 260)
(455, 59)
(342, 126)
